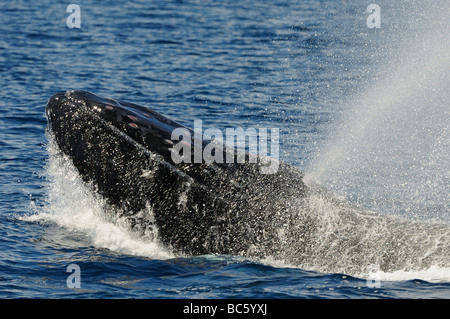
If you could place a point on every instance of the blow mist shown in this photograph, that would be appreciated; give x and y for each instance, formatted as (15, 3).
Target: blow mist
(387, 150)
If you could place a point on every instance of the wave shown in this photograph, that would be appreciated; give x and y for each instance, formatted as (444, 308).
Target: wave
(76, 209)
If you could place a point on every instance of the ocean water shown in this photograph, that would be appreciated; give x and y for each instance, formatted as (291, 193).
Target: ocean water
(363, 111)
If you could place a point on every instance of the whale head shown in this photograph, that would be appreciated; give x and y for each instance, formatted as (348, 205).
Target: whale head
(124, 152)
(71, 110)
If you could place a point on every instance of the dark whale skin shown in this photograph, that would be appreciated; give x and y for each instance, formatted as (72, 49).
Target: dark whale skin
(122, 150)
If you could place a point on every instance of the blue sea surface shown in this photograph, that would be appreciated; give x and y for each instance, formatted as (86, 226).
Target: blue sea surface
(291, 65)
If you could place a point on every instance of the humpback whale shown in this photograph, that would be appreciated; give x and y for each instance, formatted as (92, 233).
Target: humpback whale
(123, 152)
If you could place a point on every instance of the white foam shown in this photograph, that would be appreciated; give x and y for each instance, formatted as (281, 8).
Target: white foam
(77, 210)
(432, 274)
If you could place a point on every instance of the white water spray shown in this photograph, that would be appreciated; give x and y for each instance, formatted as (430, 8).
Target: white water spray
(77, 210)
(389, 150)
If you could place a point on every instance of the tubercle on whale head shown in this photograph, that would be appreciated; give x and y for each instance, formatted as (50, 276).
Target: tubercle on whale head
(144, 125)
(69, 101)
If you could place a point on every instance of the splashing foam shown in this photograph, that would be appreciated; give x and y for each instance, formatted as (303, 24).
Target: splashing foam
(432, 274)
(389, 149)
(79, 211)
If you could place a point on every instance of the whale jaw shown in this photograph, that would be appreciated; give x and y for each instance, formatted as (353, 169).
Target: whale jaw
(120, 150)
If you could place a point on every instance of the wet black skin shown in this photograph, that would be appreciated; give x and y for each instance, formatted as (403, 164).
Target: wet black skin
(122, 151)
